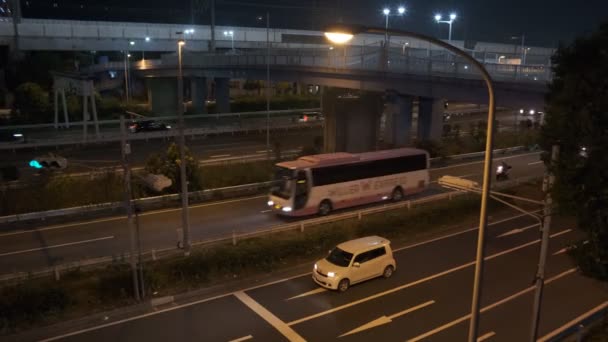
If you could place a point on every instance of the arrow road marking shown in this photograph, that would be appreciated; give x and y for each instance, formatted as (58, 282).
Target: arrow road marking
(517, 230)
(309, 293)
(384, 319)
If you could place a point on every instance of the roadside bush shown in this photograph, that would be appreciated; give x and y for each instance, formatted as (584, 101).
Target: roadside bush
(31, 102)
(590, 260)
(219, 176)
(30, 302)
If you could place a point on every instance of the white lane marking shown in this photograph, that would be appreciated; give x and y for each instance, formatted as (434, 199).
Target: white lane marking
(265, 211)
(177, 307)
(517, 230)
(485, 336)
(534, 163)
(564, 327)
(221, 156)
(565, 249)
(309, 293)
(385, 320)
(489, 307)
(414, 283)
(273, 320)
(481, 161)
(263, 151)
(561, 251)
(457, 233)
(57, 246)
(244, 338)
(83, 224)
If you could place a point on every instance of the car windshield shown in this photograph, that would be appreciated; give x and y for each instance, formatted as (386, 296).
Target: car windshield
(339, 257)
(284, 180)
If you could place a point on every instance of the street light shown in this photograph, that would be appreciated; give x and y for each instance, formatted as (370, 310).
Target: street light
(231, 35)
(344, 31)
(387, 12)
(182, 149)
(449, 22)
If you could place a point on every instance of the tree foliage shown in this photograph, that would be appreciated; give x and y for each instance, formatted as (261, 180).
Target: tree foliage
(168, 164)
(31, 101)
(577, 120)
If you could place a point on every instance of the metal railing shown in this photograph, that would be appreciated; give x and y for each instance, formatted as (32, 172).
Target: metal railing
(368, 62)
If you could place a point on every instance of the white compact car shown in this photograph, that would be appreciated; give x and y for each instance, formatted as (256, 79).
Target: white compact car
(355, 261)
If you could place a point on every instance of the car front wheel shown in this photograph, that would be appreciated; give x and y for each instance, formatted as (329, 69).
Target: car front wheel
(343, 285)
(388, 272)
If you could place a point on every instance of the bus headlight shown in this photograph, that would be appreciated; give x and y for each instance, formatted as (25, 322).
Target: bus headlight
(270, 203)
(286, 209)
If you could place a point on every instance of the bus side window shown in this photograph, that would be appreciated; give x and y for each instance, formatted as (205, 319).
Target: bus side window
(301, 190)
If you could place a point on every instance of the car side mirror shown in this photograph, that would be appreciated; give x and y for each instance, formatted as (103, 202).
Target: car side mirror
(356, 264)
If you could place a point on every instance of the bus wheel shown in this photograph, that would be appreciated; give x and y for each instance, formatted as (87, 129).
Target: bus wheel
(397, 194)
(324, 207)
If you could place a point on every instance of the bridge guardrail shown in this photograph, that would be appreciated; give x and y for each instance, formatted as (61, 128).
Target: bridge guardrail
(111, 137)
(235, 237)
(577, 328)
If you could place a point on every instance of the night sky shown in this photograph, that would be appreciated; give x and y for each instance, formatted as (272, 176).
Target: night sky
(544, 22)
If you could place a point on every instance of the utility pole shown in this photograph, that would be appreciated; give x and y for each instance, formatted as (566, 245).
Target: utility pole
(16, 11)
(125, 152)
(182, 151)
(268, 84)
(212, 26)
(544, 245)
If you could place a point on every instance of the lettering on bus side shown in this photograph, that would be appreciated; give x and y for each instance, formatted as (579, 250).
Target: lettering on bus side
(345, 191)
(392, 182)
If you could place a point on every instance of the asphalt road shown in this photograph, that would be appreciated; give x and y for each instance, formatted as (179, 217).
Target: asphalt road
(87, 157)
(44, 246)
(427, 298)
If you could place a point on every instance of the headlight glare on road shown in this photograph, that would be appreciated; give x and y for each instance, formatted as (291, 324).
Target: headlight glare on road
(286, 209)
(331, 274)
(270, 203)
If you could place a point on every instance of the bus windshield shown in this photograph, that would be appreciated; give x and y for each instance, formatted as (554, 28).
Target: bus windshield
(284, 180)
(339, 257)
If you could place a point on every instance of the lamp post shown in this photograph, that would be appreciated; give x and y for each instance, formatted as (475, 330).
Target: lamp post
(182, 150)
(387, 13)
(231, 35)
(449, 22)
(143, 53)
(341, 34)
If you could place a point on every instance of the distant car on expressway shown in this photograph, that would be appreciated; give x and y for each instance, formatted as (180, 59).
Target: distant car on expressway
(148, 126)
(310, 117)
(355, 261)
(11, 137)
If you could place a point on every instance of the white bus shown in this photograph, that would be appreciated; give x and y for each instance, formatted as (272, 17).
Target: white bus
(321, 183)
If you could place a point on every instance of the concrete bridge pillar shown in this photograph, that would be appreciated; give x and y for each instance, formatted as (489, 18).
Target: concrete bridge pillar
(222, 94)
(198, 91)
(162, 95)
(430, 119)
(351, 120)
(398, 124)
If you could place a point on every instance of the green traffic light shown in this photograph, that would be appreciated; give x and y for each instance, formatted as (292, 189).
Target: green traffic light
(35, 164)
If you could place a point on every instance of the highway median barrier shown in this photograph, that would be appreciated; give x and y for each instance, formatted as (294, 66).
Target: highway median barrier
(83, 289)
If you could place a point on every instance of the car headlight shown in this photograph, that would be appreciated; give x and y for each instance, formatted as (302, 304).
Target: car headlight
(316, 267)
(270, 203)
(286, 209)
(168, 127)
(331, 274)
